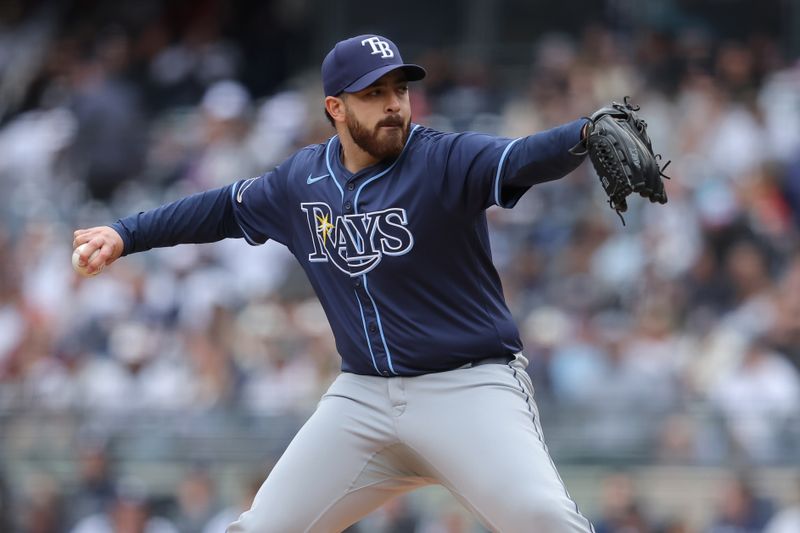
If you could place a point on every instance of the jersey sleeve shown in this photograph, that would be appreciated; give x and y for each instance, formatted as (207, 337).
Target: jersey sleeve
(474, 161)
(535, 159)
(485, 170)
(200, 218)
(259, 206)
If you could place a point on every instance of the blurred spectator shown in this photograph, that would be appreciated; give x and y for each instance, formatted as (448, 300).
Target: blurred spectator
(179, 71)
(577, 357)
(94, 490)
(223, 518)
(708, 293)
(779, 101)
(787, 519)
(470, 98)
(137, 375)
(196, 495)
(621, 511)
(128, 512)
(654, 354)
(740, 509)
(42, 509)
(747, 266)
(109, 145)
(759, 399)
(224, 155)
(786, 331)
(283, 373)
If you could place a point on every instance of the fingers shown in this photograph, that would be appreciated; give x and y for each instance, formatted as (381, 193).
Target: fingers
(97, 247)
(104, 257)
(91, 256)
(82, 236)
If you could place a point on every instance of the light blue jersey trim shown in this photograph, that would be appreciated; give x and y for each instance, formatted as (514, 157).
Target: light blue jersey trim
(376, 176)
(328, 164)
(371, 299)
(366, 335)
(500, 172)
(380, 327)
(247, 237)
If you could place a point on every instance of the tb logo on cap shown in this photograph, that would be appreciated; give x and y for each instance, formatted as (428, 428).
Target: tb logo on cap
(379, 47)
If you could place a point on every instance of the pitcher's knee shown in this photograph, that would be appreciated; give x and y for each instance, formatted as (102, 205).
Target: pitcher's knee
(250, 522)
(548, 516)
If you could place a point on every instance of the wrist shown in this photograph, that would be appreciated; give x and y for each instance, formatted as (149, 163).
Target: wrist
(125, 242)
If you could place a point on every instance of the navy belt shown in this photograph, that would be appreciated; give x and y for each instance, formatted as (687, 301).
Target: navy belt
(502, 360)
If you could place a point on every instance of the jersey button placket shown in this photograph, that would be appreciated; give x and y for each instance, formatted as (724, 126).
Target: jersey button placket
(370, 323)
(370, 318)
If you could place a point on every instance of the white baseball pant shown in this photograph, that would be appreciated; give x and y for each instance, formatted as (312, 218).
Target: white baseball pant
(474, 430)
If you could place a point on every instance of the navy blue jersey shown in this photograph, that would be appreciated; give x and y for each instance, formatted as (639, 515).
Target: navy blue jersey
(398, 253)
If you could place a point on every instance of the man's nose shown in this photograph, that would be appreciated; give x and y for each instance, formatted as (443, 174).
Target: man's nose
(393, 104)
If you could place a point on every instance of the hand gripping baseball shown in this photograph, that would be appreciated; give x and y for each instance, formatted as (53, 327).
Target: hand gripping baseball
(95, 248)
(622, 155)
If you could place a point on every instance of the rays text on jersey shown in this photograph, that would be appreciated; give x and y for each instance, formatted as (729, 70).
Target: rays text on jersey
(356, 243)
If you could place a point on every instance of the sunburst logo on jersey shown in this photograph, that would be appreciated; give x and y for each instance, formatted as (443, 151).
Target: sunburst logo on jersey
(325, 227)
(355, 243)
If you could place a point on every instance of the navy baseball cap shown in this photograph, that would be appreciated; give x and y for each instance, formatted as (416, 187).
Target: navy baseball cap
(355, 63)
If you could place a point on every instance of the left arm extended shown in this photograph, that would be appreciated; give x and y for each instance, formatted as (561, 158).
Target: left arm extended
(538, 158)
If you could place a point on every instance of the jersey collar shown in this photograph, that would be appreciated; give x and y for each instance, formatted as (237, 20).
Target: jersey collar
(333, 155)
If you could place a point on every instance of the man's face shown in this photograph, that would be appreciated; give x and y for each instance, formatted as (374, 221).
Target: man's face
(129, 516)
(378, 118)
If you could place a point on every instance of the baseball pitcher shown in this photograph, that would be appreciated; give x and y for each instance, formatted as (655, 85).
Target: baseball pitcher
(387, 218)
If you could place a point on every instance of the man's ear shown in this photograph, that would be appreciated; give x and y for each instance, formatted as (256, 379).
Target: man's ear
(334, 105)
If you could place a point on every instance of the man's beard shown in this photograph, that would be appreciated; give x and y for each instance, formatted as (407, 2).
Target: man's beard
(366, 139)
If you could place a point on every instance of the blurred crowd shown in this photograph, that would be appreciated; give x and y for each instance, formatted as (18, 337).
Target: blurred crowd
(672, 339)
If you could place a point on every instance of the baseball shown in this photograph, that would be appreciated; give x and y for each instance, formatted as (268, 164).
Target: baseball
(82, 270)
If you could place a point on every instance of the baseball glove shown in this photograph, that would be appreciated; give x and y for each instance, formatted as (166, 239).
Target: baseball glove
(622, 155)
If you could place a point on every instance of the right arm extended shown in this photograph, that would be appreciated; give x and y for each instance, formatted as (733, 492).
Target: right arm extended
(203, 217)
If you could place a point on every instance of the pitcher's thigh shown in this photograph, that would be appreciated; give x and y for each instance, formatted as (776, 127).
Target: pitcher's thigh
(329, 477)
(484, 443)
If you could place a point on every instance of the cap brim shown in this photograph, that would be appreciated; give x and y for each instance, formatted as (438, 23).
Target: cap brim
(413, 73)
